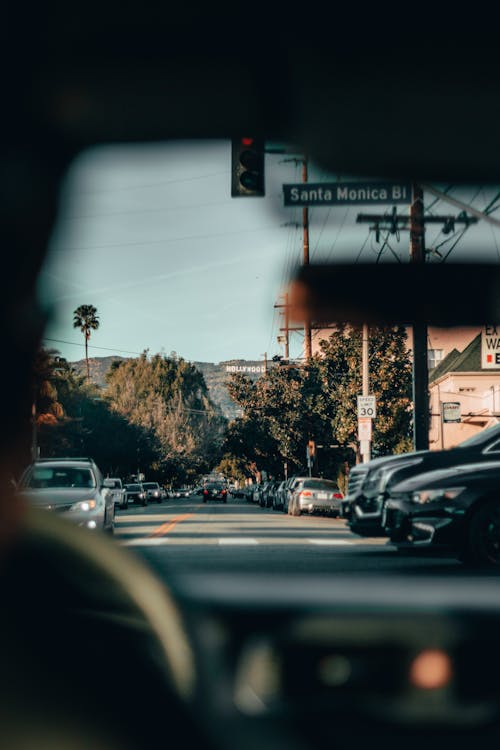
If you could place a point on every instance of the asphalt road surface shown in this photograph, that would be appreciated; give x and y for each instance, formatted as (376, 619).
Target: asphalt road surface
(184, 535)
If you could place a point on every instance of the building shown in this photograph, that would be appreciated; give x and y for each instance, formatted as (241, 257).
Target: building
(459, 378)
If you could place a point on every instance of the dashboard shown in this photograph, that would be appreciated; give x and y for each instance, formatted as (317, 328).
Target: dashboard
(308, 662)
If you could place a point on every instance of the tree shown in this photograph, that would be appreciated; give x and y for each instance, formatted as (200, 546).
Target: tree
(168, 397)
(85, 318)
(289, 406)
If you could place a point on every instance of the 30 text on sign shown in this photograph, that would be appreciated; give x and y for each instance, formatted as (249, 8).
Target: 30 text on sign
(347, 193)
(367, 407)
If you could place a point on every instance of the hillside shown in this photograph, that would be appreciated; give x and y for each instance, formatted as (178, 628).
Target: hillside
(216, 376)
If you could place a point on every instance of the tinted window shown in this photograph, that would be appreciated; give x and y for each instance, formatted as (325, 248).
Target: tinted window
(320, 484)
(133, 487)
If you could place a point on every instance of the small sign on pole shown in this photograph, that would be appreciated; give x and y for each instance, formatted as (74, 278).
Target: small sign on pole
(451, 411)
(364, 429)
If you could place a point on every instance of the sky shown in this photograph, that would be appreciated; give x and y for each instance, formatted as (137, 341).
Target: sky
(150, 235)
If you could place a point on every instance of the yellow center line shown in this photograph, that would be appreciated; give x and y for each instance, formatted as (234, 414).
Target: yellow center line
(169, 525)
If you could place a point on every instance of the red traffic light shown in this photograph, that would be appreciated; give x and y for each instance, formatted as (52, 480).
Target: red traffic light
(247, 167)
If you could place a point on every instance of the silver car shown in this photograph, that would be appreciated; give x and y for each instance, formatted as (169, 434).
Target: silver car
(75, 488)
(315, 495)
(153, 491)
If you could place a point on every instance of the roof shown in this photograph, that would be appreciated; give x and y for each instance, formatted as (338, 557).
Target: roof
(467, 361)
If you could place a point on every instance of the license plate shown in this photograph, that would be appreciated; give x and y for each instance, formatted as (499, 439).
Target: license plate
(322, 495)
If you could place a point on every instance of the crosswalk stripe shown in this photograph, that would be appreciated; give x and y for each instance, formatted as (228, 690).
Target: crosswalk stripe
(237, 540)
(332, 542)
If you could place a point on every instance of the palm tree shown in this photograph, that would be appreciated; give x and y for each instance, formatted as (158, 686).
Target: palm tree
(85, 318)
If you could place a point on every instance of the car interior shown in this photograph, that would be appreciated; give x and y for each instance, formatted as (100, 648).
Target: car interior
(225, 659)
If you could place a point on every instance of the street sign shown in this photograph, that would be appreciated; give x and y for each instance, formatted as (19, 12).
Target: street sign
(367, 407)
(364, 429)
(347, 193)
(451, 411)
(490, 348)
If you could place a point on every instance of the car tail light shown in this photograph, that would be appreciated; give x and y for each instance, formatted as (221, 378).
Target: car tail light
(305, 493)
(338, 495)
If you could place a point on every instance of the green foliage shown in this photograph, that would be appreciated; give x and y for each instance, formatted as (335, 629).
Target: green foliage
(155, 415)
(289, 406)
(168, 397)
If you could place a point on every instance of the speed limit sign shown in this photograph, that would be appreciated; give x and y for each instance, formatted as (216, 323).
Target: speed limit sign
(367, 407)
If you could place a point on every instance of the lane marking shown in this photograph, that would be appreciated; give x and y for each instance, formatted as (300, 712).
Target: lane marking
(146, 541)
(237, 540)
(332, 542)
(169, 525)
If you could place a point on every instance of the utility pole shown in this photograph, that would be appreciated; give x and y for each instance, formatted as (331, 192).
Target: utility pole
(34, 435)
(415, 222)
(365, 444)
(420, 366)
(305, 227)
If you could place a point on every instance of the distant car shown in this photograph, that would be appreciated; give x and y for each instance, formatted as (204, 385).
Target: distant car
(278, 496)
(287, 492)
(117, 491)
(454, 510)
(136, 494)
(153, 491)
(74, 488)
(215, 491)
(314, 495)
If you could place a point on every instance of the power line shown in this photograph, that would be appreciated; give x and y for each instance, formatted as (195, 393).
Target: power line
(152, 184)
(91, 346)
(140, 243)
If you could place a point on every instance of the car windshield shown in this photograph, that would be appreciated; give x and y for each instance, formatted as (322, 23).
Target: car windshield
(200, 370)
(59, 477)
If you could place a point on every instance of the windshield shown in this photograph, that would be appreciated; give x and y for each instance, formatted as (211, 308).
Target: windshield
(58, 477)
(176, 283)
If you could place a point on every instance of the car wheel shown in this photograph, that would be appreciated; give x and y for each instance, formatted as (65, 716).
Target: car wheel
(482, 545)
(124, 505)
(159, 500)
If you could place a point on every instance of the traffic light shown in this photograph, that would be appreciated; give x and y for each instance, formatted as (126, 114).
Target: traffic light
(247, 167)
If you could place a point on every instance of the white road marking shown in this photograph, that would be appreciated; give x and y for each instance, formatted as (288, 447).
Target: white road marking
(152, 541)
(332, 542)
(237, 540)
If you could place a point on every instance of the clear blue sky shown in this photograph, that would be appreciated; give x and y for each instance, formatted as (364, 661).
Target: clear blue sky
(150, 235)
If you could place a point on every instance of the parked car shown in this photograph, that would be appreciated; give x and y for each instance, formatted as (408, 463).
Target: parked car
(215, 491)
(264, 487)
(278, 496)
(153, 491)
(136, 494)
(271, 492)
(315, 495)
(455, 510)
(287, 492)
(117, 491)
(370, 484)
(72, 487)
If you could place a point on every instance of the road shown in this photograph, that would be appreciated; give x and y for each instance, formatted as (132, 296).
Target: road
(185, 535)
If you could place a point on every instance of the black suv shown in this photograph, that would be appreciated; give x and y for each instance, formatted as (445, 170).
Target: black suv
(215, 491)
(370, 484)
